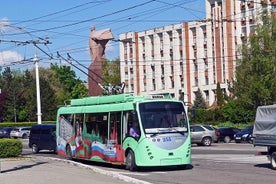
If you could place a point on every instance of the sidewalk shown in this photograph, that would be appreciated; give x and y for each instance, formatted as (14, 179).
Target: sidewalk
(45, 170)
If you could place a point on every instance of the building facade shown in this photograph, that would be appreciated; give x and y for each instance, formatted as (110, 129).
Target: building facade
(180, 59)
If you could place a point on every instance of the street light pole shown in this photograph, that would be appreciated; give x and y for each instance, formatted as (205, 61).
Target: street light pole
(37, 90)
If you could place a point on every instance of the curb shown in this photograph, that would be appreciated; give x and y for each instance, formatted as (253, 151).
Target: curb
(102, 171)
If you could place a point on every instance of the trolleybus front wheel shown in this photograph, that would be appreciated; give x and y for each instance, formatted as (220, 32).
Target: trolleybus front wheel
(130, 161)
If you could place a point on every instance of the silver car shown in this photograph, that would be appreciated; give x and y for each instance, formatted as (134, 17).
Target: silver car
(20, 132)
(203, 135)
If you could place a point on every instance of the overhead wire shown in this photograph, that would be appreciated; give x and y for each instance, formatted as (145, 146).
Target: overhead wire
(125, 20)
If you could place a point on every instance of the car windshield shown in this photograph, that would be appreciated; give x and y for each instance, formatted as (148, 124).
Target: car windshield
(163, 117)
(209, 127)
(247, 129)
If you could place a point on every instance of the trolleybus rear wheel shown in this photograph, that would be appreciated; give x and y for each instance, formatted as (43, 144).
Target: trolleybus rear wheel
(68, 152)
(273, 160)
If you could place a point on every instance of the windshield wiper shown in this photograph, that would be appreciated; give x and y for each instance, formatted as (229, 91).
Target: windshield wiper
(181, 132)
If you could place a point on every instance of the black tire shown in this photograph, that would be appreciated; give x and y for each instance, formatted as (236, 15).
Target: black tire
(24, 136)
(35, 148)
(130, 161)
(273, 160)
(182, 167)
(227, 139)
(68, 152)
(206, 141)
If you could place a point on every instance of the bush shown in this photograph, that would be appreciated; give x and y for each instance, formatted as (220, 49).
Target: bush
(22, 124)
(233, 111)
(10, 148)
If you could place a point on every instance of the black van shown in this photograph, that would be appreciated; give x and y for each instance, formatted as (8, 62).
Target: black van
(43, 137)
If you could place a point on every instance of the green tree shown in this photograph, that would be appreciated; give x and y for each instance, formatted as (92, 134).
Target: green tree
(255, 82)
(12, 88)
(234, 112)
(111, 72)
(220, 98)
(199, 102)
(48, 103)
(69, 85)
(29, 97)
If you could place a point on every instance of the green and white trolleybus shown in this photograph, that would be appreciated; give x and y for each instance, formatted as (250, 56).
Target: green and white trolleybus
(101, 129)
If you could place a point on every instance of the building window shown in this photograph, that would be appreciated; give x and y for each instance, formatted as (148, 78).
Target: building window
(127, 88)
(172, 82)
(195, 66)
(182, 83)
(145, 86)
(196, 81)
(205, 53)
(273, 6)
(153, 85)
(125, 48)
(206, 65)
(145, 73)
(207, 96)
(163, 84)
(206, 80)
(130, 49)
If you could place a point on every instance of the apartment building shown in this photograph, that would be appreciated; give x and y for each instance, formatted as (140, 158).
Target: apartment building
(180, 59)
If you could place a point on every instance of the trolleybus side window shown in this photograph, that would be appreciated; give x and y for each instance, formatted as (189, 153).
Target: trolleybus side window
(78, 129)
(115, 130)
(90, 123)
(102, 125)
(133, 124)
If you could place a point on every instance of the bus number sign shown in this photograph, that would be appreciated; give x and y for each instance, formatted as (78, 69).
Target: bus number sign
(166, 139)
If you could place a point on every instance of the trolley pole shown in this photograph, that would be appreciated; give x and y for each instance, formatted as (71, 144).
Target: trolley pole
(37, 90)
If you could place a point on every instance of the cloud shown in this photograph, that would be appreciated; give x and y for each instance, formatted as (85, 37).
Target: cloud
(109, 47)
(4, 25)
(8, 57)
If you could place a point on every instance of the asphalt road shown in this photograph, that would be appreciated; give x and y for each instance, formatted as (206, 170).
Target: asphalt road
(220, 163)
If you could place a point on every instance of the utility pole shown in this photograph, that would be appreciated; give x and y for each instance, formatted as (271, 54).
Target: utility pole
(35, 43)
(37, 90)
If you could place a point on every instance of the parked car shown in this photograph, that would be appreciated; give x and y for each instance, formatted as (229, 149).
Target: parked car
(226, 134)
(20, 132)
(5, 132)
(202, 135)
(43, 137)
(245, 135)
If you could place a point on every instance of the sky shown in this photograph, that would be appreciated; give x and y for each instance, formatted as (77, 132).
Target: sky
(54, 28)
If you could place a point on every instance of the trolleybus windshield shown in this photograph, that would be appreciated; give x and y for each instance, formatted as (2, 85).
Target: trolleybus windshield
(163, 117)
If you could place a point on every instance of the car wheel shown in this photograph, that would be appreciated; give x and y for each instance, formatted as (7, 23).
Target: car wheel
(206, 141)
(24, 136)
(227, 139)
(68, 152)
(35, 148)
(273, 160)
(130, 161)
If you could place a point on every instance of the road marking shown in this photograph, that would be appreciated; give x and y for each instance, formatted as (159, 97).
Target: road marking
(233, 158)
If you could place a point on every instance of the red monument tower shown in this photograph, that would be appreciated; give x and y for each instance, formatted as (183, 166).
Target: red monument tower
(97, 43)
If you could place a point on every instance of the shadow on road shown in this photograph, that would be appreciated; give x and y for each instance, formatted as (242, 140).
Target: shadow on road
(23, 167)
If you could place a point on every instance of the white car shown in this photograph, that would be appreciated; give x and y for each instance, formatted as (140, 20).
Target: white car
(20, 132)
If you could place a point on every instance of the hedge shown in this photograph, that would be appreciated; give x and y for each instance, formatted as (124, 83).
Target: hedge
(22, 124)
(10, 148)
